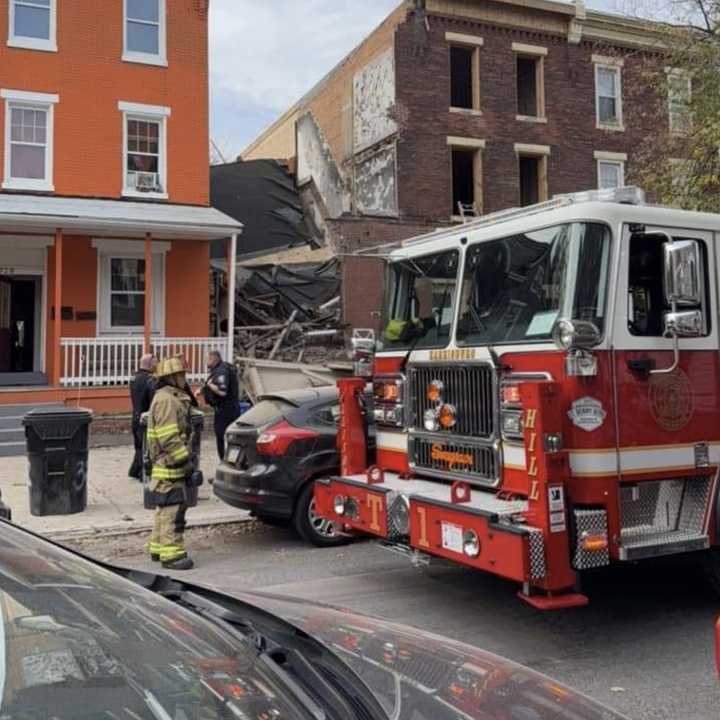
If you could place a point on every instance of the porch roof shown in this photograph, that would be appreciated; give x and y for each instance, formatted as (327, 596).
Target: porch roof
(113, 218)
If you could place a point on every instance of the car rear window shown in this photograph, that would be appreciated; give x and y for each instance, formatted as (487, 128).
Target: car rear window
(266, 411)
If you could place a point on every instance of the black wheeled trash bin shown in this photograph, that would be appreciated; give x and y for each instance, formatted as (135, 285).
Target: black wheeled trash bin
(197, 422)
(57, 447)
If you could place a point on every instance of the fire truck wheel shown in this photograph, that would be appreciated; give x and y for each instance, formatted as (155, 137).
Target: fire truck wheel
(310, 526)
(712, 569)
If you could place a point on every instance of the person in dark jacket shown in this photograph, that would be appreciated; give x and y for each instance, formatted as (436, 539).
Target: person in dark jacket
(220, 391)
(142, 389)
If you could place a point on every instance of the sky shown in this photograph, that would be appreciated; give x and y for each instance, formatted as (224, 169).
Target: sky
(265, 54)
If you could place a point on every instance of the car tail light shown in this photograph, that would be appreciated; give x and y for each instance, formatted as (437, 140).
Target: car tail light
(277, 439)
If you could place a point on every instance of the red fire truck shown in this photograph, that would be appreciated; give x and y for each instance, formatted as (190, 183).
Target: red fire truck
(546, 396)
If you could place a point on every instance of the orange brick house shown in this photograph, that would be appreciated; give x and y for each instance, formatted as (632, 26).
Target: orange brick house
(105, 221)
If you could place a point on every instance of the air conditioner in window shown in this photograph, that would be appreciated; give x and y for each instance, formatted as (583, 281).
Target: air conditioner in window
(145, 182)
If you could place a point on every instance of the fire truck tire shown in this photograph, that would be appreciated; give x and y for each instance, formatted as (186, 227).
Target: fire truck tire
(712, 569)
(312, 528)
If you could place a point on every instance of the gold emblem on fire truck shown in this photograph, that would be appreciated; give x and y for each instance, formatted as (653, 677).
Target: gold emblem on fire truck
(457, 354)
(671, 402)
(451, 458)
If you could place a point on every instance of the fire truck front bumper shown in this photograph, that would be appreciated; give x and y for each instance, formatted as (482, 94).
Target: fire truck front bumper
(479, 530)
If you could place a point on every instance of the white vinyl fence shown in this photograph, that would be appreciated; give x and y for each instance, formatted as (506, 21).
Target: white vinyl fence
(108, 361)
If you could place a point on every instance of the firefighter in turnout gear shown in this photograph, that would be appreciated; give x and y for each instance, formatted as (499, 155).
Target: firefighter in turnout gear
(168, 438)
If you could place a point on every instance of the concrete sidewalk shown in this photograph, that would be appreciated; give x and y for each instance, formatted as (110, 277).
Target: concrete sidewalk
(115, 503)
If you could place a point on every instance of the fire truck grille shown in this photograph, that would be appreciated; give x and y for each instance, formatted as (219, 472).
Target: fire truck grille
(446, 457)
(471, 389)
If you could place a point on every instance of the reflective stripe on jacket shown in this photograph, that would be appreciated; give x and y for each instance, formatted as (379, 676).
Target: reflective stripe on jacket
(168, 434)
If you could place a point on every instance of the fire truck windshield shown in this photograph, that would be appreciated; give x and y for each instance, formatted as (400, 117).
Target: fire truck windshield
(514, 289)
(419, 301)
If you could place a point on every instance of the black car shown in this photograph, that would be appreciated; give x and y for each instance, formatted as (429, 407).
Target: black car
(81, 640)
(273, 454)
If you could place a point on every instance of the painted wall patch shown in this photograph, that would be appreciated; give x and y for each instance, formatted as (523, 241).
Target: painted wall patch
(587, 413)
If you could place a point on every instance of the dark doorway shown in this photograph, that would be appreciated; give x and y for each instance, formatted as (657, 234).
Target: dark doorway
(22, 317)
(5, 324)
(18, 320)
(529, 180)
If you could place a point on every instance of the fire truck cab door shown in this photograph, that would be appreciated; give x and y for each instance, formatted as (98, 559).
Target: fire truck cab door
(663, 413)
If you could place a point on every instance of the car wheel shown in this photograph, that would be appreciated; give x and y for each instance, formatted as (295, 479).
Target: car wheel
(310, 526)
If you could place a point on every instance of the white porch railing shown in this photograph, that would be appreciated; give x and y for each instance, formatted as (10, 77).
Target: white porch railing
(108, 361)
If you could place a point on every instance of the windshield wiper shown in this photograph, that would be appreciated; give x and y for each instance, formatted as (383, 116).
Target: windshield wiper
(301, 663)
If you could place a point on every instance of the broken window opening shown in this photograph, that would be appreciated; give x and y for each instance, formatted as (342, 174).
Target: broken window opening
(462, 61)
(533, 179)
(528, 86)
(463, 181)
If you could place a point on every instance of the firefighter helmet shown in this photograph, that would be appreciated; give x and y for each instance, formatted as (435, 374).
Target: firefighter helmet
(170, 366)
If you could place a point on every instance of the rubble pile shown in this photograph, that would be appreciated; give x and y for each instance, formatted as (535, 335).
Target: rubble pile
(289, 313)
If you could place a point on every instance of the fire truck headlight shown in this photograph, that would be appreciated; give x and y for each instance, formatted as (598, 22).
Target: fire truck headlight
(471, 543)
(339, 505)
(434, 391)
(447, 417)
(430, 421)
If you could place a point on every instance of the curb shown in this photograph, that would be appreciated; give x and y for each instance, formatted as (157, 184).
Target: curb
(123, 529)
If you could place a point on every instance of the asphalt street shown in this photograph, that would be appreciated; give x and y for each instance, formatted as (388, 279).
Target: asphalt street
(644, 645)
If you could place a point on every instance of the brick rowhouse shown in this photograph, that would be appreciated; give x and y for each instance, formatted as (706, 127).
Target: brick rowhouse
(349, 155)
(113, 96)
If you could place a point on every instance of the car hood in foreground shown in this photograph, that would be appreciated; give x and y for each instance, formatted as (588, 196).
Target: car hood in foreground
(419, 676)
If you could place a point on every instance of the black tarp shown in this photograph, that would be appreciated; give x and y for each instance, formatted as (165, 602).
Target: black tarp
(273, 292)
(262, 195)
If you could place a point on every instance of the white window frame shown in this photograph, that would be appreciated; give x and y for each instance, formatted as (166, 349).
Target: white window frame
(614, 65)
(610, 158)
(674, 128)
(153, 113)
(32, 101)
(109, 249)
(30, 43)
(148, 58)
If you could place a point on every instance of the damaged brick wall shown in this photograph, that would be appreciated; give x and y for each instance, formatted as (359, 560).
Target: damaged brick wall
(423, 90)
(362, 277)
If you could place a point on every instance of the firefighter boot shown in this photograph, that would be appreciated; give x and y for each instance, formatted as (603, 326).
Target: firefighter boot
(183, 563)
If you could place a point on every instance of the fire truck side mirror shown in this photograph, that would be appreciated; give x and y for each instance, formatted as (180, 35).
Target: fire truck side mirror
(683, 273)
(684, 324)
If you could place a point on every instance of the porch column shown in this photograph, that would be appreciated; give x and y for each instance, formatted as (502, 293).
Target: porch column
(232, 281)
(148, 292)
(57, 321)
